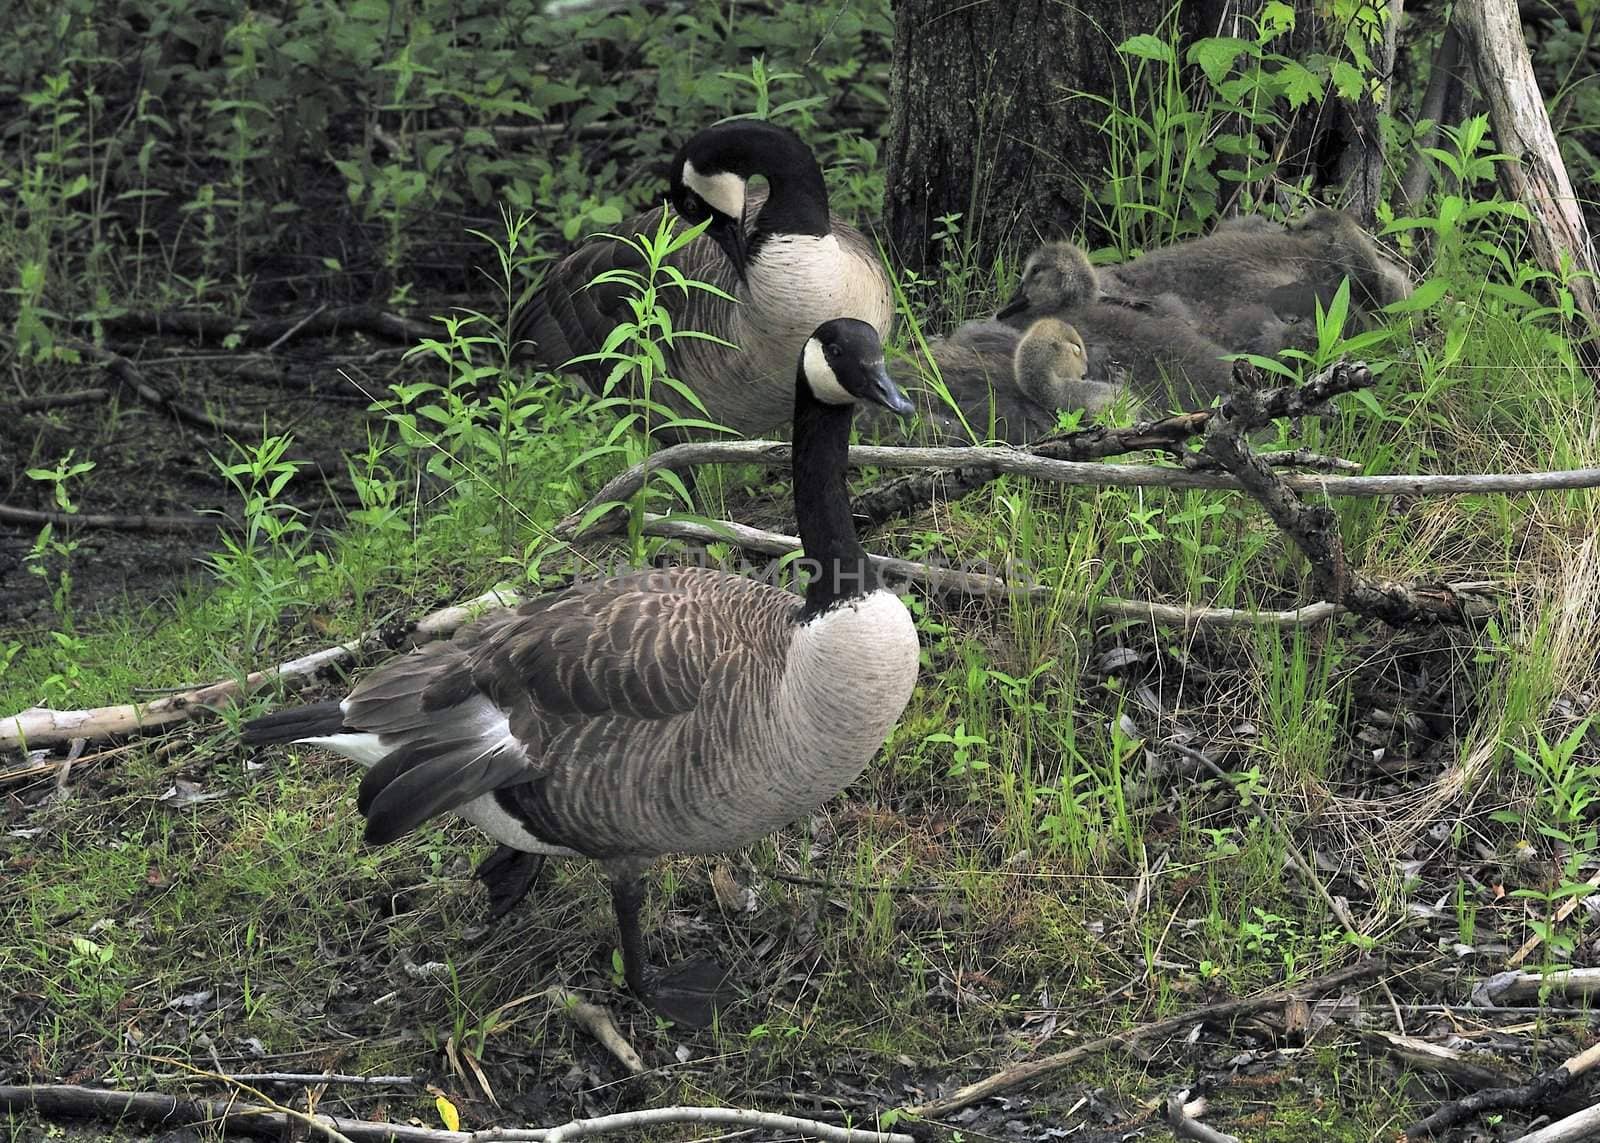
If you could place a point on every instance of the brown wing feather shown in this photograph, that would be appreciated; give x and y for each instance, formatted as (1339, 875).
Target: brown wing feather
(569, 318)
(583, 677)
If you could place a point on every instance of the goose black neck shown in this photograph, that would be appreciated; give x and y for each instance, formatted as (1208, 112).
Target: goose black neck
(797, 197)
(834, 557)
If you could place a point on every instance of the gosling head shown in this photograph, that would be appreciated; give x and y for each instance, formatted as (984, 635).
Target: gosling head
(842, 363)
(1056, 276)
(1048, 358)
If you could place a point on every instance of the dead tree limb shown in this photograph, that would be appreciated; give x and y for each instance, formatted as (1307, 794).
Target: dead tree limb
(961, 582)
(128, 374)
(1315, 528)
(1536, 1094)
(1573, 1129)
(55, 401)
(1534, 175)
(38, 726)
(1443, 76)
(35, 518)
(72, 1100)
(1183, 1111)
(273, 332)
(1031, 1070)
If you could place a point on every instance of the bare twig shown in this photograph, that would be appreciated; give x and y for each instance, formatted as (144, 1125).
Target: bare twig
(55, 400)
(596, 1020)
(1561, 914)
(954, 581)
(128, 374)
(305, 1079)
(1183, 1116)
(1536, 1094)
(273, 332)
(33, 517)
(72, 1100)
(74, 750)
(38, 725)
(1033, 463)
(1027, 1072)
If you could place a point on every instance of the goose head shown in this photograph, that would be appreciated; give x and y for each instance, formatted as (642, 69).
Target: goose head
(842, 363)
(711, 177)
(1056, 276)
(1049, 356)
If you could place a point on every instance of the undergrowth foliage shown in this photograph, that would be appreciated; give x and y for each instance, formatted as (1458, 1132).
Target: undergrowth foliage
(1028, 844)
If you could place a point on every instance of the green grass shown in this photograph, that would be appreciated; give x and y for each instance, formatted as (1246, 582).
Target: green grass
(1025, 846)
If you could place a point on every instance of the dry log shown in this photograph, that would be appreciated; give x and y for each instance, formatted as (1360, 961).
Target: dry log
(36, 518)
(72, 1100)
(1027, 1072)
(1424, 1055)
(37, 726)
(1534, 175)
(1536, 1094)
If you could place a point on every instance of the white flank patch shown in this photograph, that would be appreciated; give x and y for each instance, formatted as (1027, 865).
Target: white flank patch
(367, 749)
(724, 191)
(490, 816)
(821, 377)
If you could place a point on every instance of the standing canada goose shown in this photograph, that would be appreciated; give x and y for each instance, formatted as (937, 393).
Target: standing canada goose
(684, 710)
(1144, 349)
(788, 264)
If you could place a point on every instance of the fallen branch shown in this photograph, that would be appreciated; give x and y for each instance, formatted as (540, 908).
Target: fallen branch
(1582, 1125)
(1504, 987)
(75, 1101)
(953, 581)
(596, 1020)
(1536, 1094)
(1183, 1116)
(304, 1079)
(1424, 1055)
(55, 401)
(273, 332)
(1315, 528)
(39, 725)
(1017, 462)
(128, 374)
(34, 518)
(1019, 1074)
(1533, 174)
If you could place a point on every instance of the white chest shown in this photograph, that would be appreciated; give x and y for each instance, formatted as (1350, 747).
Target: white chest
(799, 281)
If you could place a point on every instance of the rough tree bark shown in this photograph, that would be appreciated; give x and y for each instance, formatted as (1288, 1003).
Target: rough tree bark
(986, 122)
(1535, 176)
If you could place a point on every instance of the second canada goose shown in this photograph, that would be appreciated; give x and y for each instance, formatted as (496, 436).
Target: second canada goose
(1147, 350)
(683, 710)
(786, 261)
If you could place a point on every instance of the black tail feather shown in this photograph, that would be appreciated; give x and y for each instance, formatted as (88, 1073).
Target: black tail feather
(317, 719)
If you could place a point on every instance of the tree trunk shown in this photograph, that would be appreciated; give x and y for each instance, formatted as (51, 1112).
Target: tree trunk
(988, 122)
(1534, 175)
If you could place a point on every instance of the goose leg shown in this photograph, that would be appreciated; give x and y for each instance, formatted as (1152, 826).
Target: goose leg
(508, 874)
(688, 993)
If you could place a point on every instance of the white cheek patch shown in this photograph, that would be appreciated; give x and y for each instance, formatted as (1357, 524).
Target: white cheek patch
(820, 376)
(724, 191)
